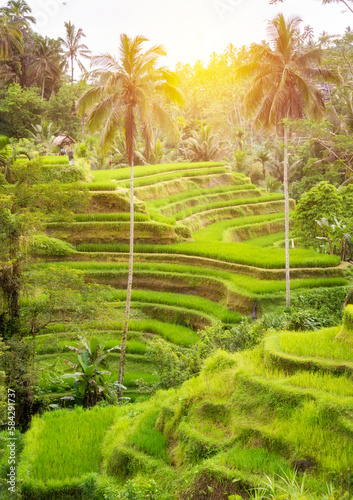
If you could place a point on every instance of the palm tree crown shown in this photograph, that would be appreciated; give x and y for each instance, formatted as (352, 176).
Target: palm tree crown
(73, 48)
(47, 62)
(19, 10)
(10, 36)
(284, 77)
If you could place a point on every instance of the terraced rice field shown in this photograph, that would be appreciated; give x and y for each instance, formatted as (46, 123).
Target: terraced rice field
(207, 249)
(280, 412)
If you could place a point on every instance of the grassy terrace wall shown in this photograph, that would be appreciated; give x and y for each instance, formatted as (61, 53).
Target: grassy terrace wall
(241, 422)
(118, 232)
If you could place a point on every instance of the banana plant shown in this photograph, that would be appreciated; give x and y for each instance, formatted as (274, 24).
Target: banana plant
(89, 382)
(337, 236)
(8, 155)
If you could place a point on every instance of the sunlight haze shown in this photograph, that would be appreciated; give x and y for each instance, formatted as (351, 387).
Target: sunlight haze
(189, 29)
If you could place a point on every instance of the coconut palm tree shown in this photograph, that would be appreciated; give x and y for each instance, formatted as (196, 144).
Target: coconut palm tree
(204, 145)
(283, 87)
(47, 62)
(127, 96)
(10, 36)
(74, 50)
(19, 10)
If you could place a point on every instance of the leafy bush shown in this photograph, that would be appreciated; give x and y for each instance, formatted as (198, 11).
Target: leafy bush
(323, 200)
(42, 245)
(140, 488)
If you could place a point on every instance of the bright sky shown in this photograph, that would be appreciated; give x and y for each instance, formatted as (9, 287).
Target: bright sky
(189, 29)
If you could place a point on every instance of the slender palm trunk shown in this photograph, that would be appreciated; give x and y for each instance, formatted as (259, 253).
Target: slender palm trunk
(129, 147)
(43, 86)
(286, 210)
(72, 69)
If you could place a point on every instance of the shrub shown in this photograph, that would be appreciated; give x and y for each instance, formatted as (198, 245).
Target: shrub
(321, 201)
(140, 488)
(42, 245)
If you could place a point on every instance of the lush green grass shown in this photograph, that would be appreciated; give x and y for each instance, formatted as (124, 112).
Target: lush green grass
(65, 444)
(146, 170)
(240, 253)
(230, 203)
(168, 200)
(322, 344)
(111, 217)
(214, 232)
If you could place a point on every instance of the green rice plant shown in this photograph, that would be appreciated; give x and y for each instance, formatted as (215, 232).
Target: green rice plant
(102, 186)
(267, 241)
(322, 344)
(170, 271)
(167, 200)
(341, 386)
(48, 160)
(187, 302)
(147, 170)
(239, 253)
(147, 438)
(246, 233)
(183, 214)
(209, 199)
(214, 232)
(63, 444)
(157, 178)
(55, 160)
(110, 217)
(177, 334)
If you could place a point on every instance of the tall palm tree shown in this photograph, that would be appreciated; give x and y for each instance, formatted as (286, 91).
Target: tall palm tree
(47, 62)
(73, 48)
(283, 88)
(127, 96)
(10, 36)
